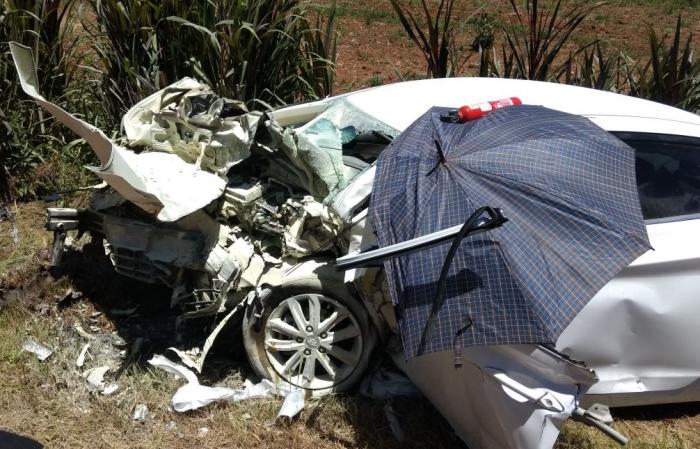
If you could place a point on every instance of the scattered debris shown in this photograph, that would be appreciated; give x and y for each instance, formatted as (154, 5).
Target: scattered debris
(42, 309)
(141, 413)
(193, 395)
(394, 424)
(385, 382)
(95, 377)
(69, 298)
(123, 312)
(79, 329)
(202, 432)
(194, 358)
(6, 214)
(292, 406)
(118, 342)
(42, 352)
(80, 361)
(109, 389)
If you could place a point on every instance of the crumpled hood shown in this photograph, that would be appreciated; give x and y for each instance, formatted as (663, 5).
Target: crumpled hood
(159, 183)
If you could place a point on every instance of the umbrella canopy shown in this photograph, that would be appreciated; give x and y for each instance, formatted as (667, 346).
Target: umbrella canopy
(569, 191)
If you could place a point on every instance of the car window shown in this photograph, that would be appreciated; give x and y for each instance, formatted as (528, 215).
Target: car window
(668, 174)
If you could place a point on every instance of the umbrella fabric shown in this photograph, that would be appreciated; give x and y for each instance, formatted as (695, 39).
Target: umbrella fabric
(569, 191)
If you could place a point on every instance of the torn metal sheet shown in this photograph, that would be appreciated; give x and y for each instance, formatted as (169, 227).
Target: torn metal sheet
(189, 120)
(159, 183)
(42, 352)
(196, 361)
(193, 395)
(503, 397)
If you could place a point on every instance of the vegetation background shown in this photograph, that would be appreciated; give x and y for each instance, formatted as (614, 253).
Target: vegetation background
(99, 57)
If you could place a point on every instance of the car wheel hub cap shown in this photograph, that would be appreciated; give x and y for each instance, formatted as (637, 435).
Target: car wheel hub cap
(313, 341)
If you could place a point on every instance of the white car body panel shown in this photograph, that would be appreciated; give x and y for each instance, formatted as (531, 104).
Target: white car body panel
(638, 333)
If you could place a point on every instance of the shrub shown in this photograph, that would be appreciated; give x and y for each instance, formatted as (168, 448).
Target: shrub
(669, 75)
(537, 36)
(434, 34)
(259, 51)
(31, 150)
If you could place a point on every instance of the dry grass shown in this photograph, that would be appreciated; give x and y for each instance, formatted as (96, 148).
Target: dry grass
(51, 403)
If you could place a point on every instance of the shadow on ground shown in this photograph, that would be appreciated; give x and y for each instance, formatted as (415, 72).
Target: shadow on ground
(13, 441)
(141, 315)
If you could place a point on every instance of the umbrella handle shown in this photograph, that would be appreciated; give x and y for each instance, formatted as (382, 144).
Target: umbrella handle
(438, 300)
(376, 256)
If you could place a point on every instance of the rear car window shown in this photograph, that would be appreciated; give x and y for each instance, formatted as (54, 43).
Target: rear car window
(668, 174)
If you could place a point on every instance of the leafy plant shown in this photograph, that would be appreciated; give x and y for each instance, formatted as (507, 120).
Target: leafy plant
(29, 137)
(260, 51)
(670, 75)
(538, 35)
(593, 68)
(444, 56)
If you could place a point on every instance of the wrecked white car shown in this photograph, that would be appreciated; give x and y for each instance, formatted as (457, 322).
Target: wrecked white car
(238, 210)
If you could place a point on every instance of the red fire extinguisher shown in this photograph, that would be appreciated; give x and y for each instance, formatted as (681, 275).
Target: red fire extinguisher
(475, 111)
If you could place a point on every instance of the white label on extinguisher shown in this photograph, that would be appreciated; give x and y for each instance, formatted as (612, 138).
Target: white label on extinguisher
(485, 107)
(503, 103)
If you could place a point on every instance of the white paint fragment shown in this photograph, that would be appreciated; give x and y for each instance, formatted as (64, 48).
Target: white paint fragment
(42, 352)
(80, 361)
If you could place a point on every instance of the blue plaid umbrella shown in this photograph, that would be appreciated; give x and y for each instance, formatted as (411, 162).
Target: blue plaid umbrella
(568, 189)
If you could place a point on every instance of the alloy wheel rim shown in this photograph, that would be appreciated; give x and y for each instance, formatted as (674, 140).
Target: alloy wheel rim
(313, 341)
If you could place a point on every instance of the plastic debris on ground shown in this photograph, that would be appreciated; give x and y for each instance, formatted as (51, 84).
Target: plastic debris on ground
(80, 361)
(140, 413)
(96, 378)
(394, 424)
(292, 405)
(193, 395)
(42, 352)
(385, 382)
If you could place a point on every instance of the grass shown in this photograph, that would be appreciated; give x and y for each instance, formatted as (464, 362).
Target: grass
(50, 402)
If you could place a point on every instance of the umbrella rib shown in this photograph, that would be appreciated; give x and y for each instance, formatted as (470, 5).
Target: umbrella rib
(566, 201)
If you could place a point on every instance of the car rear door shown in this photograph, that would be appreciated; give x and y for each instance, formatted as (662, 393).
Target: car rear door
(641, 333)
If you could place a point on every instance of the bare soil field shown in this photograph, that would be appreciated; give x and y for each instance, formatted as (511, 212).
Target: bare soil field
(49, 403)
(373, 48)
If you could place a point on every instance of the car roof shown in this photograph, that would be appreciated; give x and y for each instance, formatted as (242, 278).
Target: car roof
(399, 104)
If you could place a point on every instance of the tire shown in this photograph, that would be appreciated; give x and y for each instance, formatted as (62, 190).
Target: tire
(319, 358)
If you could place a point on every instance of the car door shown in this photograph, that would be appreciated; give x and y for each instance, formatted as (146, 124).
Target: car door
(641, 332)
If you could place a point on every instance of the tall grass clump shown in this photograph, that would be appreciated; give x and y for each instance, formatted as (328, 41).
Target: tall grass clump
(594, 68)
(434, 33)
(538, 36)
(36, 154)
(669, 75)
(264, 52)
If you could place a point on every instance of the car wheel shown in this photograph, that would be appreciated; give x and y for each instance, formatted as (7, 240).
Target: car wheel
(310, 337)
